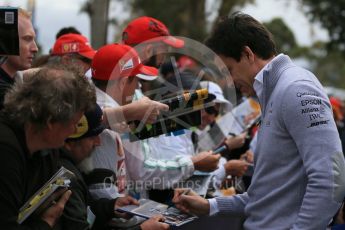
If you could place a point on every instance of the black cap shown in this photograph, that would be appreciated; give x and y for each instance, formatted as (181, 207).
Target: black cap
(89, 125)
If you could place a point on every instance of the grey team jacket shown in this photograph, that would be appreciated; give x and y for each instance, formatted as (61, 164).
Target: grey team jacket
(299, 175)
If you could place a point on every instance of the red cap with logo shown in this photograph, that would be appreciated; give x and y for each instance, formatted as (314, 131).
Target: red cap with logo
(118, 60)
(73, 43)
(146, 28)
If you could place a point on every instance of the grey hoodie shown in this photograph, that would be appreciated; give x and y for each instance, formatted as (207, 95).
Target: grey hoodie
(299, 175)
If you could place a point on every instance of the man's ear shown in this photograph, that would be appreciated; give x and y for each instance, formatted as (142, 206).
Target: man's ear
(148, 51)
(248, 54)
(68, 145)
(122, 83)
(50, 125)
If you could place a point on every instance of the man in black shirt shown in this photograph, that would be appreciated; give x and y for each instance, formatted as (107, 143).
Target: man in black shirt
(33, 120)
(82, 211)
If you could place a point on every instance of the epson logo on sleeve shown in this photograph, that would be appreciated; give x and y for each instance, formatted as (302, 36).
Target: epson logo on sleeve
(311, 102)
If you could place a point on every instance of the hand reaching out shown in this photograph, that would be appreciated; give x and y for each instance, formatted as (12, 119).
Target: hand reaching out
(145, 110)
(248, 156)
(123, 201)
(236, 167)
(235, 142)
(206, 161)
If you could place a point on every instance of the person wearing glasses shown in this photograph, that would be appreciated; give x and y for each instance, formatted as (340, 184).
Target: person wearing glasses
(208, 116)
(210, 113)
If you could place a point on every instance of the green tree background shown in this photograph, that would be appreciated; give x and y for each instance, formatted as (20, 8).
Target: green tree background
(189, 18)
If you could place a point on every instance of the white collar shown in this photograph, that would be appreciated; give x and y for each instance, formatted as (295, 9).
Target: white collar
(104, 100)
(259, 83)
(259, 78)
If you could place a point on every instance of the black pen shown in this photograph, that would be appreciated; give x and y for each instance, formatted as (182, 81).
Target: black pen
(220, 149)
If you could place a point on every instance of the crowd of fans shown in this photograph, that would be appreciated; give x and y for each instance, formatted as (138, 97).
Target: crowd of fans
(73, 106)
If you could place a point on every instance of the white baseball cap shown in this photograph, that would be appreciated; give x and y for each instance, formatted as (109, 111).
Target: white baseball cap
(214, 89)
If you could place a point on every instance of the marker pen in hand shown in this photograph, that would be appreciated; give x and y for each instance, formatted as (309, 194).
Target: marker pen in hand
(220, 149)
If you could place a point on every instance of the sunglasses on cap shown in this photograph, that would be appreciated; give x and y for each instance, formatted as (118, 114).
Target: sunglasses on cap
(84, 59)
(211, 110)
(81, 58)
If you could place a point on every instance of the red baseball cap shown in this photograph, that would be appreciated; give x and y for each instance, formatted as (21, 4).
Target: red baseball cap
(73, 43)
(122, 60)
(335, 102)
(146, 28)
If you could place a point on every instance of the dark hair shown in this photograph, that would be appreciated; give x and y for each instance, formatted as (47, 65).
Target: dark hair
(102, 84)
(233, 33)
(67, 30)
(131, 79)
(48, 95)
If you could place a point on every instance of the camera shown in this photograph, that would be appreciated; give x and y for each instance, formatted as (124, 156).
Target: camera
(9, 39)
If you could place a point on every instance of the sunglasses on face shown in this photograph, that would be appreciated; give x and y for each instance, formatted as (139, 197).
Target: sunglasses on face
(212, 111)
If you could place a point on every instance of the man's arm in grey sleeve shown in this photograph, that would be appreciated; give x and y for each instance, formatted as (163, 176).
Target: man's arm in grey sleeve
(318, 143)
(233, 204)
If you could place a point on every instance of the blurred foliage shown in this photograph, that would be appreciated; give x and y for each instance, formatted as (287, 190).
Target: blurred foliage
(327, 64)
(331, 69)
(189, 18)
(283, 36)
(98, 11)
(331, 15)
(183, 17)
(328, 58)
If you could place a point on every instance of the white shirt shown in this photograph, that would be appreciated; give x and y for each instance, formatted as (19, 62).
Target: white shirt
(104, 100)
(110, 154)
(259, 78)
(158, 162)
(259, 83)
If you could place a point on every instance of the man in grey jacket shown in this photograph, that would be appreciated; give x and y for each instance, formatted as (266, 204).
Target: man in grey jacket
(299, 175)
